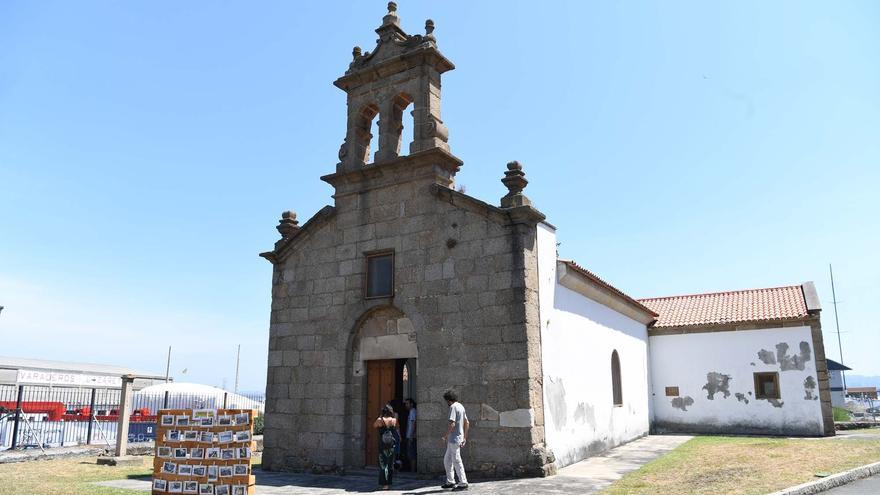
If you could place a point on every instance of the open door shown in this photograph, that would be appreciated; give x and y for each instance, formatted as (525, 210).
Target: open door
(381, 389)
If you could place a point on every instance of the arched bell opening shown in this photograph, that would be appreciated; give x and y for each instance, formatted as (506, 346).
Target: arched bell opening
(365, 139)
(393, 123)
(402, 107)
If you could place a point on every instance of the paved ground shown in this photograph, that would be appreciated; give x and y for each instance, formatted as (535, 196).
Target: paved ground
(859, 487)
(853, 435)
(585, 477)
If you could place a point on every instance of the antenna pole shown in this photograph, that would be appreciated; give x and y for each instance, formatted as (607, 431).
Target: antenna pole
(168, 365)
(237, 356)
(837, 323)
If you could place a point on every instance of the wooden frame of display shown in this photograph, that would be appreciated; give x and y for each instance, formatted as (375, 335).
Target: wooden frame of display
(248, 480)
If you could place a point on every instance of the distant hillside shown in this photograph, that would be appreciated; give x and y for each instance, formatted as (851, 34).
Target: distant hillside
(862, 381)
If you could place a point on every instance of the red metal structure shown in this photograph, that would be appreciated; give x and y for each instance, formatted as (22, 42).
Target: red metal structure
(141, 415)
(56, 411)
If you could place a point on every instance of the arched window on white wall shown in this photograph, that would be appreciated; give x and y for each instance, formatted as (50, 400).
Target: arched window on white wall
(616, 388)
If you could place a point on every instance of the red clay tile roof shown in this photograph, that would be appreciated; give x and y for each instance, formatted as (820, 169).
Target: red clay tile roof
(861, 390)
(777, 303)
(592, 276)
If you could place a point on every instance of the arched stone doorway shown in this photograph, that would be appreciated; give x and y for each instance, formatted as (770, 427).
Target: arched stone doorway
(384, 356)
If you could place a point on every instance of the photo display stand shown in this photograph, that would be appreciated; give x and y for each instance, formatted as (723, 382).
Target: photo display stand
(204, 452)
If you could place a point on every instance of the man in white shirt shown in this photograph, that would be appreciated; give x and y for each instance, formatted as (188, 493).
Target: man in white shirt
(455, 439)
(410, 406)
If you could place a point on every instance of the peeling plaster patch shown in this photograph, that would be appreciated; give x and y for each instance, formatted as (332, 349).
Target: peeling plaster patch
(776, 402)
(741, 397)
(766, 357)
(556, 401)
(682, 402)
(810, 388)
(715, 383)
(794, 362)
(584, 413)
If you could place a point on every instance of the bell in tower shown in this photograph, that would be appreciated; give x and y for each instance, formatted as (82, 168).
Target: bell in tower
(400, 71)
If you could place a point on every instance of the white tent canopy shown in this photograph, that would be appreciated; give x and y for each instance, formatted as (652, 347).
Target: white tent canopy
(198, 396)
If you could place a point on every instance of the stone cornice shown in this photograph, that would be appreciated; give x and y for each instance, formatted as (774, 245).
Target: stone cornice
(734, 327)
(426, 55)
(436, 162)
(285, 246)
(525, 215)
(504, 216)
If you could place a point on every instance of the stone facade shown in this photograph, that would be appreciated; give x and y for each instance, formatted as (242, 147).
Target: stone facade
(464, 311)
(465, 288)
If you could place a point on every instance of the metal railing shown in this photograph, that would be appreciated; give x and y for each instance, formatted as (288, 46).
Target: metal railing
(45, 417)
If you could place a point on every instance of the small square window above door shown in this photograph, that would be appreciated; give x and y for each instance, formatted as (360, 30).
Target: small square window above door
(380, 275)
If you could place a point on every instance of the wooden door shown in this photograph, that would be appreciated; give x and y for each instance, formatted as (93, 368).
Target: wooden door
(380, 391)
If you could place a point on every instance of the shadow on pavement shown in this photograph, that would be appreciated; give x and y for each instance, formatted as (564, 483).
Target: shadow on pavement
(357, 483)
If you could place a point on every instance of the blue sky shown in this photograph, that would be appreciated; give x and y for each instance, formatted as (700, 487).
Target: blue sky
(147, 150)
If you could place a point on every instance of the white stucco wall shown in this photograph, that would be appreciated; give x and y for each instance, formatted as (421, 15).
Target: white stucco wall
(835, 383)
(685, 360)
(578, 336)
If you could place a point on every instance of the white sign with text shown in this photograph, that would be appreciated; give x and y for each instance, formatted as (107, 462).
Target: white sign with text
(66, 379)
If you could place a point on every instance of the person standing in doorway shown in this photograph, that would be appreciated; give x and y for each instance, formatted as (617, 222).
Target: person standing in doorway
(455, 439)
(387, 426)
(395, 406)
(410, 406)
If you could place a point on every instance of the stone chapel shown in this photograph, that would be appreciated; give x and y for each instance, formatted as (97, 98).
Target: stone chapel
(406, 287)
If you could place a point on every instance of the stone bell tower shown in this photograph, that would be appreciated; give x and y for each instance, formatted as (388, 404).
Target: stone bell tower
(402, 70)
(404, 277)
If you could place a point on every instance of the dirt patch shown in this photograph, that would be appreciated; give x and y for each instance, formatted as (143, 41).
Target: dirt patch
(719, 475)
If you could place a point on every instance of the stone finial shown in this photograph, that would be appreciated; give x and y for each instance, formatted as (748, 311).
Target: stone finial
(429, 27)
(356, 53)
(288, 225)
(391, 16)
(515, 181)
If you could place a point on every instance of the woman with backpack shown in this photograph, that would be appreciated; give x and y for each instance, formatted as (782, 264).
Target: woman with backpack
(386, 423)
